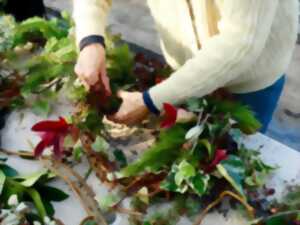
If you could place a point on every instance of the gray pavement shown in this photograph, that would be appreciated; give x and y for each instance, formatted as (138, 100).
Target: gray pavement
(132, 19)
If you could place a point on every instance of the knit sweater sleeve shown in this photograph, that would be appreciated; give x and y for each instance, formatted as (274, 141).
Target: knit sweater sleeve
(90, 17)
(243, 32)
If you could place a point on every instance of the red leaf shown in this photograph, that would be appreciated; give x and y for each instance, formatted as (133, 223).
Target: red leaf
(52, 134)
(51, 126)
(170, 116)
(221, 154)
(58, 146)
(47, 140)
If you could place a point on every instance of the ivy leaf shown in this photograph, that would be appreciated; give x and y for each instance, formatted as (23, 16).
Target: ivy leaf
(169, 183)
(233, 170)
(2, 181)
(185, 171)
(199, 183)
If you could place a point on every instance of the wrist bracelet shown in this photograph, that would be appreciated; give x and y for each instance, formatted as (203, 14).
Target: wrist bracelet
(149, 103)
(92, 39)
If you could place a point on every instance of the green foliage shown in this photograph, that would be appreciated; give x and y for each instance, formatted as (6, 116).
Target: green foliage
(161, 154)
(256, 170)
(184, 177)
(242, 114)
(7, 27)
(36, 28)
(29, 188)
(41, 107)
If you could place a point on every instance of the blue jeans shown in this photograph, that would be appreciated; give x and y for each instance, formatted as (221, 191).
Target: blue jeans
(263, 102)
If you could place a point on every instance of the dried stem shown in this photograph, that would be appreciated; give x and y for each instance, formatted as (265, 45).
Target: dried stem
(201, 217)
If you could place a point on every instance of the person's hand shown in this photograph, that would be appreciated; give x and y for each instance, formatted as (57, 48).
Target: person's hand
(91, 69)
(132, 110)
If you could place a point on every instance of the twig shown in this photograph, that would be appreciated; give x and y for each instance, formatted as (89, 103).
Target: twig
(19, 153)
(79, 187)
(249, 208)
(128, 211)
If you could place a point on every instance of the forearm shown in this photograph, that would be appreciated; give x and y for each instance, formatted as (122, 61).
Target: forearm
(90, 17)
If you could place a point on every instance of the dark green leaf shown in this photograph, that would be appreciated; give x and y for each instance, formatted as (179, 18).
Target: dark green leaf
(8, 171)
(120, 157)
(199, 183)
(49, 208)
(169, 183)
(50, 194)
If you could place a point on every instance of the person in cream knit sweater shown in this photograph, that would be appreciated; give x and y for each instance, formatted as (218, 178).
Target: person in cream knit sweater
(244, 46)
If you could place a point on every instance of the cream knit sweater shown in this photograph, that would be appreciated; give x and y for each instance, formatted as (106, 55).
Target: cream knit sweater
(243, 45)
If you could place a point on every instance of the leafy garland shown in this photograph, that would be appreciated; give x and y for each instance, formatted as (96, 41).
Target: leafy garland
(18, 192)
(192, 156)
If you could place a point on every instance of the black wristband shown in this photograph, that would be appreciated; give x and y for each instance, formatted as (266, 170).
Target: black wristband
(92, 39)
(149, 103)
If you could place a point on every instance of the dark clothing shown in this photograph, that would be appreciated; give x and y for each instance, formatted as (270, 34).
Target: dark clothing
(263, 102)
(24, 9)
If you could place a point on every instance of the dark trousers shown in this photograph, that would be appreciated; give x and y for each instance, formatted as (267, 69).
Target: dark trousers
(263, 102)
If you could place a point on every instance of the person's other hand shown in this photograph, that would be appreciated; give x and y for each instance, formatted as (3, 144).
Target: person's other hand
(91, 67)
(132, 110)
